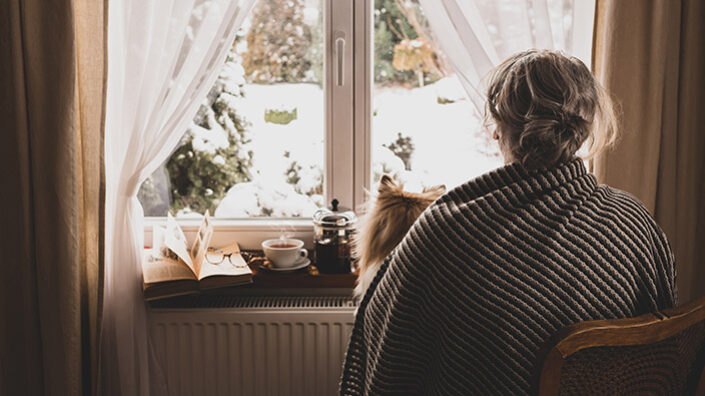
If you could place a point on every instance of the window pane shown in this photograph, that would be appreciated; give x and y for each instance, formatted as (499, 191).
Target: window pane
(425, 131)
(256, 147)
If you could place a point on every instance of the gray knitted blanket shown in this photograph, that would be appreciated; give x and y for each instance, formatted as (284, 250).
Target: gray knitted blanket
(492, 270)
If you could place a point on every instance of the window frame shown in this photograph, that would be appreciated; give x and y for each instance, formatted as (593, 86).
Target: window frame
(347, 110)
(348, 124)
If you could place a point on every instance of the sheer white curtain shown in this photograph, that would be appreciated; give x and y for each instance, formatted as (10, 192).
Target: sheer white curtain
(476, 35)
(163, 57)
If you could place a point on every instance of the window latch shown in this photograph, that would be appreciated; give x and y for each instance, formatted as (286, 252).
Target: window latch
(340, 57)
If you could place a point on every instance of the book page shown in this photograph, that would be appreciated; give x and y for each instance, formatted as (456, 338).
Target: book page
(175, 240)
(158, 247)
(226, 268)
(162, 269)
(201, 243)
(160, 250)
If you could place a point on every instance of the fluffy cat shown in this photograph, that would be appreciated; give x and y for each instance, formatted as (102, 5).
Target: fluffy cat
(385, 223)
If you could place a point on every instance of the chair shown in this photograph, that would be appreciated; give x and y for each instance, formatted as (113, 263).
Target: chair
(661, 353)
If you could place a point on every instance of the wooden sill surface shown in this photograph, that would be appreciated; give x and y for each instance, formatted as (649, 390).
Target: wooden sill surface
(305, 278)
(306, 281)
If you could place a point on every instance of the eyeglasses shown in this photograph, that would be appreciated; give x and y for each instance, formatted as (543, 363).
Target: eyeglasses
(217, 256)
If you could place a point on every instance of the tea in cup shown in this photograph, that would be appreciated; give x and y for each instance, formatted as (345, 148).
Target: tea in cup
(284, 253)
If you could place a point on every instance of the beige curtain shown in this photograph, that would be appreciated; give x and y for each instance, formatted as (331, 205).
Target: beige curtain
(52, 79)
(651, 56)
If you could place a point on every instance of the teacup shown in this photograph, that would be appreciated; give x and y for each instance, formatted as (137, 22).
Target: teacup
(284, 253)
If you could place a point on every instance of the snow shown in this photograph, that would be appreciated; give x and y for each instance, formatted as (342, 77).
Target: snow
(232, 75)
(219, 160)
(209, 140)
(258, 198)
(302, 139)
(416, 43)
(450, 145)
(186, 213)
(449, 88)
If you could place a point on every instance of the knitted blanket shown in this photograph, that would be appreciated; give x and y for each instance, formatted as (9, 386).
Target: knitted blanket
(492, 270)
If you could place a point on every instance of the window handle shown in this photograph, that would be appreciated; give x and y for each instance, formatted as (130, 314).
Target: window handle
(340, 57)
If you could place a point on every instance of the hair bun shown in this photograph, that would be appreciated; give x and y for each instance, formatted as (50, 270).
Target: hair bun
(545, 104)
(569, 122)
(547, 140)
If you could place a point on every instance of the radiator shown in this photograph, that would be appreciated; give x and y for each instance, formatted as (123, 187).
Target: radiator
(250, 345)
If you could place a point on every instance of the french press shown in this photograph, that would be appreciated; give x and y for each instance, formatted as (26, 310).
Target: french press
(333, 231)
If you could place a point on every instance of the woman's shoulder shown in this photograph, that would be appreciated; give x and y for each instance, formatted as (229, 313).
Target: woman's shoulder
(639, 220)
(624, 204)
(622, 200)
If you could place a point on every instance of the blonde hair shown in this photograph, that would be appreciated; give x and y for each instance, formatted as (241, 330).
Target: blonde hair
(546, 105)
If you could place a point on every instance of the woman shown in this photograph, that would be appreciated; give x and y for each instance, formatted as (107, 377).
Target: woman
(498, 265)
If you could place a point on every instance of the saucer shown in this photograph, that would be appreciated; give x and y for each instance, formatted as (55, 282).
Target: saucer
(267, 265)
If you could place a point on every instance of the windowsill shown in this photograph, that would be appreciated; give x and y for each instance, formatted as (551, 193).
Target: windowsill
(248, 233)
(299, 283)
(263, 281)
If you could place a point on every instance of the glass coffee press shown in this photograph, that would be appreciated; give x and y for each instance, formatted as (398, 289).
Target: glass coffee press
(333, 231)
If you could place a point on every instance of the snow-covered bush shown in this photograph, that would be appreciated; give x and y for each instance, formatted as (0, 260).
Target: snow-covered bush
(403, 148)
(281, 116)
(449, 90)
(386, 162)
(414, 55)
(305, 177)
(278, 43)
(212, 155)
(271, 199)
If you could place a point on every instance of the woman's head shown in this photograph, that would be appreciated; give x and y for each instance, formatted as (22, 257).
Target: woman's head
(545, 105)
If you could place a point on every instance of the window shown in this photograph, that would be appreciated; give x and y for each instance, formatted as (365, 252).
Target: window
(318, 98)
(424, 129)
(256, 146)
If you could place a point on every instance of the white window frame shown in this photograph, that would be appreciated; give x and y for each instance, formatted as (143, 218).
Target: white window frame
(348, 104)
(347, 131)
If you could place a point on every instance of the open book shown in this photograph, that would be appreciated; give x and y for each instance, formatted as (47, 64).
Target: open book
(170, 268)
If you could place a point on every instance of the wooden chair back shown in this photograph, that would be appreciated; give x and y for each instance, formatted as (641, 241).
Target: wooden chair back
(660, 353)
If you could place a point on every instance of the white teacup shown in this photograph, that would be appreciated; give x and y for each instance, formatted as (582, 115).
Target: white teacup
(284, 253)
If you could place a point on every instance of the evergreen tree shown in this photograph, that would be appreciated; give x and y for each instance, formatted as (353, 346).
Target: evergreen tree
(401, 31)
(391, 26)
(278, 43)
(316, 51)
(212, 156)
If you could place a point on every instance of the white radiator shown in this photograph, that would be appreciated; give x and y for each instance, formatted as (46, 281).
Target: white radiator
(252, 345)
